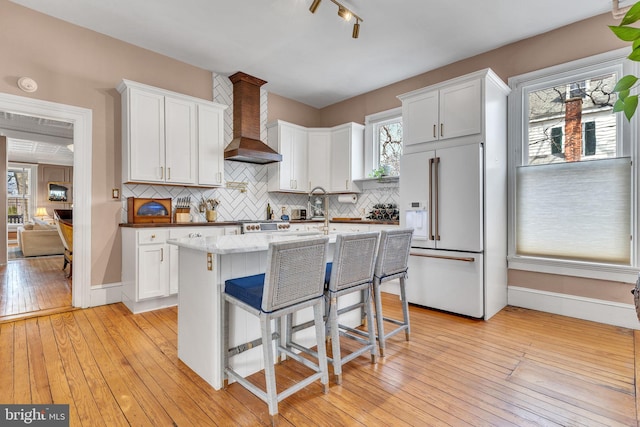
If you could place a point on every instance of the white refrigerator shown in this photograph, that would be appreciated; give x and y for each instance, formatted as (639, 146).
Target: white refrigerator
(458, 256)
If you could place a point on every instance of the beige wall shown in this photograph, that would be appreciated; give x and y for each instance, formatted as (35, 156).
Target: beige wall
(78, 67)
(280, 108)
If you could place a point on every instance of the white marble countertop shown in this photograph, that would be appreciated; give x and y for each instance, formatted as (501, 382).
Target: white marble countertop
(233, 244)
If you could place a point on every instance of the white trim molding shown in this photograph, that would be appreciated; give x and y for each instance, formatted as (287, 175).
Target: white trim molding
(82, 119)
(595, 310)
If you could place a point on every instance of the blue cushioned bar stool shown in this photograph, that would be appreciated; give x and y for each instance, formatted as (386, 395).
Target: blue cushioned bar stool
(391, 263)
(294, 280)
(351, 271)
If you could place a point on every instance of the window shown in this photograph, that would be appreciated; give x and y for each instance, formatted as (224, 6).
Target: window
(18, 194)
(384, 132)
(571, 202)
(389, 144)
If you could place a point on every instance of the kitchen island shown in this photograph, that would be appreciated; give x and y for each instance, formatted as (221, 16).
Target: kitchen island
(205, 264)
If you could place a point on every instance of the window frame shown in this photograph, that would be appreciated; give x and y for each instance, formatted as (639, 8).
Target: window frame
(371, 146)
(582, 69)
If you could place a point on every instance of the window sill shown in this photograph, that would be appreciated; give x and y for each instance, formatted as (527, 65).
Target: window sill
(590, 270)
(373, 183)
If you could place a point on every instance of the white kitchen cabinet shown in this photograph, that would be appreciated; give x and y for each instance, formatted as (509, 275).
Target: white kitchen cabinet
(347, 157)
(180, 143)
(436, 113)
(210, 145)
(150, 265)
(319, 158)
(162, 132)
(289, 175)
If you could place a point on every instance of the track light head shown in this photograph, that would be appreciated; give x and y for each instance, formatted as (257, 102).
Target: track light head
(356, 30)
(344, 13)
(314, 6)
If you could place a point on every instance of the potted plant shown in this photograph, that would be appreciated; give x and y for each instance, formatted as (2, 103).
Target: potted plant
(626, 102)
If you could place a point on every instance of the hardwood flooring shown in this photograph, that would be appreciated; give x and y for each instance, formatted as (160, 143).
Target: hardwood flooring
(521, 368)
(33, 286)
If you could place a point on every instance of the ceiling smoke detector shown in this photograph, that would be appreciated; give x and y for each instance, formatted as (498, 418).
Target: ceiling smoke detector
(27, 84)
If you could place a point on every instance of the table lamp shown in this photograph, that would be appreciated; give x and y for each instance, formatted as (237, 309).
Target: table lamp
(41, 212)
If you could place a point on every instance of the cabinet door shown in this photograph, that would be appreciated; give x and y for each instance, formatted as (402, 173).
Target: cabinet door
(180, 141)
(287, 147)
(210, 146)
(340, 160)
(460, 110)
(319, 157)
(153, 271)
(420, 118)
(299, 172)
(146, 139)
(460, 198)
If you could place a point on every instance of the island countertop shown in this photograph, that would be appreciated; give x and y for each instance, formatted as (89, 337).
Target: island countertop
(242, 243)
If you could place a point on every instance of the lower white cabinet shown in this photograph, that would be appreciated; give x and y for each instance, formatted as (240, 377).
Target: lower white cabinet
(150, 265)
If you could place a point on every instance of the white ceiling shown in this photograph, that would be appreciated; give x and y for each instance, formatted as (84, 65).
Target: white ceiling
(37, 140)
(312, 58)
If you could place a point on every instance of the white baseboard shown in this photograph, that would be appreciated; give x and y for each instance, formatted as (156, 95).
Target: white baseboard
(105, 294)
(608, 312)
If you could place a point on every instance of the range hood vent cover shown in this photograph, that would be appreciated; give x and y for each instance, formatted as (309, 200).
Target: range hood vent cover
(246, 145)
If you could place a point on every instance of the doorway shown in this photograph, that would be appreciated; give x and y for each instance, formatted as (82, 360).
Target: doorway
(81, 119)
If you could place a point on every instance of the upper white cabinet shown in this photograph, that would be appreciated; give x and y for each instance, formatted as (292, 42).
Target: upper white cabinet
(165, 134)
(291, 173)
(330, 158)
(347, 161)
(449, 110)
(319, 158)
(210, 145)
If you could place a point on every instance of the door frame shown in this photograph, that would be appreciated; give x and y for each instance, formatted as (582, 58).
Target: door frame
(82, 119)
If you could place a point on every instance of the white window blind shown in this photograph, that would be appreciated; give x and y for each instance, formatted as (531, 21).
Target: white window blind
(577, 210)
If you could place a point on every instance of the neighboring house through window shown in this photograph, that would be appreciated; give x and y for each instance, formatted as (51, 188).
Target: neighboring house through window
(571, 204)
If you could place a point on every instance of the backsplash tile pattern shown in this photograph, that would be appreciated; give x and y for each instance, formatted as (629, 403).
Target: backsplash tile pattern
(235, 205)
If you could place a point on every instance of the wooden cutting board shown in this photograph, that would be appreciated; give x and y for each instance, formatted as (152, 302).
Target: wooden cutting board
(345, 219)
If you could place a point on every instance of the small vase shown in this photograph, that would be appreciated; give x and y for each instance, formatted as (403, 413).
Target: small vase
(212, 216)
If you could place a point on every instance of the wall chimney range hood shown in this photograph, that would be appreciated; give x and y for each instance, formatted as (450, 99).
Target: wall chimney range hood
(246, 145)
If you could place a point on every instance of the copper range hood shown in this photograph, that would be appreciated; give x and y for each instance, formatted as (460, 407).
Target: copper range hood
(246, 145)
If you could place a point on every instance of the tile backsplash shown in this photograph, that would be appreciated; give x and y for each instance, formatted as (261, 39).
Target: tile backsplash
(252, 204)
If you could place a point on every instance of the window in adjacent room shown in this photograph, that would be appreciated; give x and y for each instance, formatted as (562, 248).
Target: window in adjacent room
(571, 200)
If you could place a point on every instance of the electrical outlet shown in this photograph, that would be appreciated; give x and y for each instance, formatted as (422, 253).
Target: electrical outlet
(115, 193)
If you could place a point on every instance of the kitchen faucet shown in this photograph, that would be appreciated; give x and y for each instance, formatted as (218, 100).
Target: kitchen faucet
(323, 192)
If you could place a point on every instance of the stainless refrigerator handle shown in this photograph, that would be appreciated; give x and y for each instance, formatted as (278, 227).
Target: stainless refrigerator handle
(437, 162)
(431, 236)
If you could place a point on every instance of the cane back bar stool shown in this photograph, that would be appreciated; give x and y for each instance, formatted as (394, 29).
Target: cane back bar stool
(351, 271)
(391, 263)
(294, 280)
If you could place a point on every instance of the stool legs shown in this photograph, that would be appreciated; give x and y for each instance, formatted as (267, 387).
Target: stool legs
(269, 369)
(380, 319)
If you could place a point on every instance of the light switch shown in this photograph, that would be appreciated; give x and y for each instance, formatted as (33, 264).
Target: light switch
(115, 193)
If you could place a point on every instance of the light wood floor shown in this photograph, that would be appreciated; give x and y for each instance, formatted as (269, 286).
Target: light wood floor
(521, 368)
(33, 286)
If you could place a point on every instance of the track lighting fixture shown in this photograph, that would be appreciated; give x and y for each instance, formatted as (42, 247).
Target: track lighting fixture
(356, 29)
(344, 13)
(314, 6)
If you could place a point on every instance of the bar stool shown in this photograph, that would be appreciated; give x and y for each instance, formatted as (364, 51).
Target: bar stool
(294, 280)
(391, 263)
(351, 271)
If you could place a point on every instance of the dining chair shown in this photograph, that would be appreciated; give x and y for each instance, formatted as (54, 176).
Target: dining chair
(294, 280)
(391, 263)
(351, 271)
